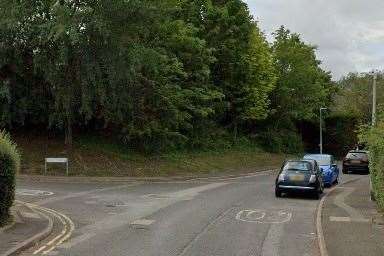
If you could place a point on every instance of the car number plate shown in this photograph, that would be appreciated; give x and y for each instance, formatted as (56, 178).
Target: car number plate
(355, 161)
(296, 177)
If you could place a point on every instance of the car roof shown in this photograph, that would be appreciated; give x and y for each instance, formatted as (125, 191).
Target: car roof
(312, 161)
(359, 151)
(306, 155)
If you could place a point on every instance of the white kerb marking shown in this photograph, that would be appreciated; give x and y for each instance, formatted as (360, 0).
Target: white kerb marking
(143, 222)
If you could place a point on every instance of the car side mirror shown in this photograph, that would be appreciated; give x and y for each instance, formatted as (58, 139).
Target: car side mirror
(321, 170)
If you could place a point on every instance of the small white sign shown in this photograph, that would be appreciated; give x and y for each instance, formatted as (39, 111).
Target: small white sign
(62, 160)
(56, 160)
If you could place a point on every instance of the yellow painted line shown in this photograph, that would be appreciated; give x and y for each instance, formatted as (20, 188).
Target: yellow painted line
(64, 234)
(65, 237)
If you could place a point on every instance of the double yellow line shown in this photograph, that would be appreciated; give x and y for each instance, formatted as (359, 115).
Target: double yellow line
(66, 232)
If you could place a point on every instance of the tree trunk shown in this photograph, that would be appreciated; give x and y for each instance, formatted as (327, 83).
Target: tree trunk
(235, 132)
(68, 133)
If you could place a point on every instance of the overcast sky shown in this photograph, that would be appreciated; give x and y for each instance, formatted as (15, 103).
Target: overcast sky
(348, 33)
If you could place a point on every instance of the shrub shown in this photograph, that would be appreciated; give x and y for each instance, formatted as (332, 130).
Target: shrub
(9, 166)
(374, 140)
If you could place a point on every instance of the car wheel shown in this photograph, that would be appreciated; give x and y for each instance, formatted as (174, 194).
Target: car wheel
(316, 195)
(337, 180)
(277, 192)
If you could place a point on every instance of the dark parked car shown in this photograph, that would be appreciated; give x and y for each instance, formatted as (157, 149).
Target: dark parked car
(300, 176)
(356, 161)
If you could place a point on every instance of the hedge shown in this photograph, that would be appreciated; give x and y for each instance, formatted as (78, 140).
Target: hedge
(374, 140)
(9, 166)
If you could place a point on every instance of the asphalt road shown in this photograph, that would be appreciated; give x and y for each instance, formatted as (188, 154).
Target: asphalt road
(206, 217)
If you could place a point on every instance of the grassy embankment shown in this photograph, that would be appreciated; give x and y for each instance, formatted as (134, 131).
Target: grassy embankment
(92, 156)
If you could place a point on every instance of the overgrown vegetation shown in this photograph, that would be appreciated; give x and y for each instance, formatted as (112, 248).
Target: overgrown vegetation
(93, 156)
(159, 76)
(9, 166)
(373, 137)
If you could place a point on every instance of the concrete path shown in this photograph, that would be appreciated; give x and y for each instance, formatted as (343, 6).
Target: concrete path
(351, 223)
(29, 227)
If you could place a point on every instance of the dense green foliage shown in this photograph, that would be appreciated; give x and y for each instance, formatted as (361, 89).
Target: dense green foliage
(158, 74)
(373, 137)
(9, 166)
(352, 107)
(302, 87)
(355, 96)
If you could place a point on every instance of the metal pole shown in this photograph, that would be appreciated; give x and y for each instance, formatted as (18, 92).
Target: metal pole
(372, 194)
(374, 99)
(321, 133)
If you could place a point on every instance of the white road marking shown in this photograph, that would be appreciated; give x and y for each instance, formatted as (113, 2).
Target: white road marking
(264, 216)
(31, 192)
(203, 231)
(347, 219)
(272, 240)
(144, 222)
(83, 193)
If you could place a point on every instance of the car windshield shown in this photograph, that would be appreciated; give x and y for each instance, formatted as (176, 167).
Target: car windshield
(357, 155)
(297, 166)
(320, 159)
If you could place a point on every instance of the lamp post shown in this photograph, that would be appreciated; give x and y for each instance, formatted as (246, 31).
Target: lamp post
(321, 129)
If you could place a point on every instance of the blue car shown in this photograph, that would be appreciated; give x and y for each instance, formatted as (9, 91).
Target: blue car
(329, 167)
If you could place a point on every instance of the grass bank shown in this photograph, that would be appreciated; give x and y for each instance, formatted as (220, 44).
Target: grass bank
(93, 156)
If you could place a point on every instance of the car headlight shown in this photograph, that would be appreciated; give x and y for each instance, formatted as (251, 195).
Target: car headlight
(281, 178)
(312, 179)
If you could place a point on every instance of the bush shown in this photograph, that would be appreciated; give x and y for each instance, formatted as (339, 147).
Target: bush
(9, 166)
(284, 141)
(374, 140)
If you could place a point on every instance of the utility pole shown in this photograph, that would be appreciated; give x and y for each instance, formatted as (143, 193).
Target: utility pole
(373, 124)
(374, 99)
(321, 130)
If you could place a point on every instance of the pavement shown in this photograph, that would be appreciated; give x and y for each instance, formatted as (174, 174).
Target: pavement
(29, 226)
(216, 216)
(351, 223)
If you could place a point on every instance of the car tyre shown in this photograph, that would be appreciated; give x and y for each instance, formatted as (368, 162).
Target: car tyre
(316, 195)
(277, 192)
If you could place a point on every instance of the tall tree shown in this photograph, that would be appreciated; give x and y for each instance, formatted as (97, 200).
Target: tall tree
(302, 86)
(243, 70)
